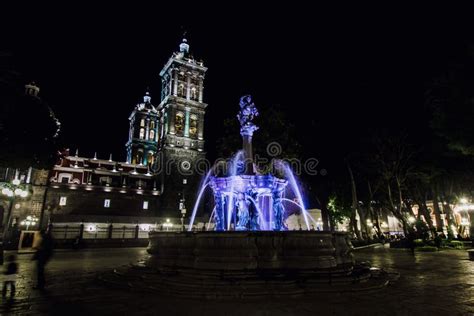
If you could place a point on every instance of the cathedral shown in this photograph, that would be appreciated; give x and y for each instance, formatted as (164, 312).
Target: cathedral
(156, 184)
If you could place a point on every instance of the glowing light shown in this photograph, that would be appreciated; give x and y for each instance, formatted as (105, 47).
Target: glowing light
(465, 222)
(16, 182)
(168, 224)
(463, 200)
(145, 227)
(411, 219)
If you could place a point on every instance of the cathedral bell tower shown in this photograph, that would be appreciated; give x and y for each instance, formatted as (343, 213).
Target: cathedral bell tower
(182, 114)
(142, 145)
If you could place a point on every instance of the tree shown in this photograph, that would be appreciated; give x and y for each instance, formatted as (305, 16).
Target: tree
(29, 129)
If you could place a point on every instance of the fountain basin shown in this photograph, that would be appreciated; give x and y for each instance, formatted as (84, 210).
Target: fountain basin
(250, 251)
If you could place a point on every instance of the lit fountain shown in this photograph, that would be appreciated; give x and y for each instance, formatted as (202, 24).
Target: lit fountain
(246, 200)
(250, 252)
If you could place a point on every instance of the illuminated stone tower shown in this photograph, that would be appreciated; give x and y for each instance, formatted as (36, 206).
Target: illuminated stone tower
(142, 145)
(182, 114)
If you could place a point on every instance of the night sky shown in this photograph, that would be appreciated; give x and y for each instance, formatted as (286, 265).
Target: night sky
(338, 72)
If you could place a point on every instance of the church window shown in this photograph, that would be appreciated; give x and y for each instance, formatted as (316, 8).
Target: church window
(179, 123)
(145, 205)
(152, 135)
(107, 203)
(150, 158)
(142, 122)
(142, 133)
(181, 91)
(193, 93)
(193, 125)
(152, 125)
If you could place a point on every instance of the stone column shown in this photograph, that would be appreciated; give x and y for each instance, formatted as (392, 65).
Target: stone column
(171, 116)
(175, 81)
(186, 123)
(188, 87)
(246, 132)
(147, 129)
(200, 126)
(201, 88)
(162, 128)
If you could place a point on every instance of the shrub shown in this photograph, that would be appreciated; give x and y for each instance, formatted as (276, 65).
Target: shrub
(427, 249)
(456, 244)
(419, 243)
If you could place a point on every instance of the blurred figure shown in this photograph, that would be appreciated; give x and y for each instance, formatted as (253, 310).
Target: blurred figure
(44, 251)
(10, 276)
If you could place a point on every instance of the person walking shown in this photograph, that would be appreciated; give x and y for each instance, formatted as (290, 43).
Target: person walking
(44, 251)
(10, 277)
(411, 243)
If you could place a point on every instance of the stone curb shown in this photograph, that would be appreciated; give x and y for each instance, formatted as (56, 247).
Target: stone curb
(369, 246)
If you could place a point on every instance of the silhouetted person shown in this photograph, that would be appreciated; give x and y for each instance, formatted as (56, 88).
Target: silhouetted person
(44, 251)
(411, 243)
(10, 276)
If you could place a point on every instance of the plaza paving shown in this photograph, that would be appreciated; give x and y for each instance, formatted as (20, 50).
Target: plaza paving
(429, 284)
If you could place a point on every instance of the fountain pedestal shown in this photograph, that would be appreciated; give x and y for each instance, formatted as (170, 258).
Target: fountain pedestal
(308, 252)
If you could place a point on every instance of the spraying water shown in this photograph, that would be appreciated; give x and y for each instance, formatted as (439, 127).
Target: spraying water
(233, 171)
(198, 200)
(296, 190)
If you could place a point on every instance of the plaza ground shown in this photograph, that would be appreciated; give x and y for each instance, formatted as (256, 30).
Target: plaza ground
(429, 284)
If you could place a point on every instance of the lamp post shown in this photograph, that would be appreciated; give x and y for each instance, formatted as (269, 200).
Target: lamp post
(31, 220)
(12, 191)
(182, 209)
(168, 224)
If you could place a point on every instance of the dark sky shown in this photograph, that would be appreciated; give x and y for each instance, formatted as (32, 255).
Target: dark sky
(337, 72)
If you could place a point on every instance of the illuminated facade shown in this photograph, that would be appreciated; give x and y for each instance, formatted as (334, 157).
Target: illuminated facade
(145, 127)
(181, 141)
(165, 140)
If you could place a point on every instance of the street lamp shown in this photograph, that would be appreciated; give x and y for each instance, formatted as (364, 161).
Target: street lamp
(31, 220)
(182, 208)
(168, 224)
(11, 191)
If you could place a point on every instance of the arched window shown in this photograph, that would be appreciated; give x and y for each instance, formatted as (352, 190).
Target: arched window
(152, 125)
(139, 157)
(142, 123)
(142, 133)
(179, 123)
(193, 93)
(150, 158)
(181, 91)
(193, 123)
(152, 135)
